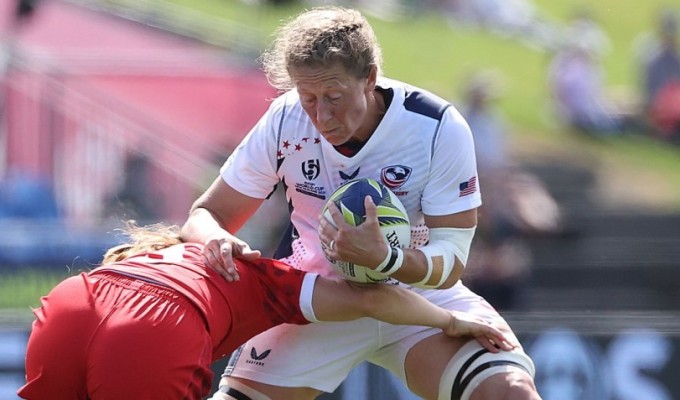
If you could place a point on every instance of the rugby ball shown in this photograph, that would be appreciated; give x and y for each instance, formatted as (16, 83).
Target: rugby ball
(392, 217)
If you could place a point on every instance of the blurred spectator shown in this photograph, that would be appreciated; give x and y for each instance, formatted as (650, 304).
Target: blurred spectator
(518, 18)
(488, 126)
(582, 26)
(661, 79)
(134, 199)
(577, 83)
(516, 204)
(502, 15)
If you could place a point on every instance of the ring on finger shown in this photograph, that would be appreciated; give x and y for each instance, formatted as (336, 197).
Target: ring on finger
(331, 245)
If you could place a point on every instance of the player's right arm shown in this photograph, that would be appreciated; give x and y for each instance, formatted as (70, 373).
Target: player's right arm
(219, 211)
(343, 300)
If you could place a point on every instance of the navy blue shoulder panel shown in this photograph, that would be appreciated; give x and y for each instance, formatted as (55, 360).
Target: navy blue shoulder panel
(426, 104)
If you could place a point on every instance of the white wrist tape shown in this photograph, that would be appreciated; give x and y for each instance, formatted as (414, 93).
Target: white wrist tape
(445, 245)
(393, 261)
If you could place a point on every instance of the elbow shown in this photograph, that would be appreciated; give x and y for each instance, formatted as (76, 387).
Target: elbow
(446, 253)
(449, 282)
(454, 276)
(185, 232)
(186, 228)
(440, 282)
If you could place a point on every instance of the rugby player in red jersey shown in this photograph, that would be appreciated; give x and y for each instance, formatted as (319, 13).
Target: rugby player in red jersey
(150, 320)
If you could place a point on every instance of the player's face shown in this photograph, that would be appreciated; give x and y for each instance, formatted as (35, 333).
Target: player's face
(336, 102)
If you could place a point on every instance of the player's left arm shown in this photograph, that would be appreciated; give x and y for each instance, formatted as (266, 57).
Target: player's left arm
(449, 203)
(343, 300)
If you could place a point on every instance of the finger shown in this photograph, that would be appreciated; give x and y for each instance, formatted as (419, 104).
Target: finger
(249, 254)
(503, 343)
(327, 229)
(488, 343)
(336, 215)
(211, 260)
(499, 339)
(322, 231)
(511, 344)
(320, 228)
(208, 254)
(504, 336)
(326, 219)
(326, 244)
(228, 270)
(371, 209)
(232, 272)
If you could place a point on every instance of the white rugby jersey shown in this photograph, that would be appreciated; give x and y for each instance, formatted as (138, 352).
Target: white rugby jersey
(422, 150)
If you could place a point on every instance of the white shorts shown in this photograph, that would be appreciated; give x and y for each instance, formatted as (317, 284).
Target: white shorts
(321, 355)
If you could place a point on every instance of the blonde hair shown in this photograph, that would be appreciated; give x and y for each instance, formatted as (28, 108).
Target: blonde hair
(322, 37)
(143, 239)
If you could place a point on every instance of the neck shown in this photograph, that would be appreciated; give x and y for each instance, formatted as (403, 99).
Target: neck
(376, 111)
(379, 103)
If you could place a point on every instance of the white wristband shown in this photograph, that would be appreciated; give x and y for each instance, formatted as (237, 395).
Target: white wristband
(391, 263)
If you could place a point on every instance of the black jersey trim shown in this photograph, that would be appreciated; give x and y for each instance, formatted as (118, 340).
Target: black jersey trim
(285, 246)
(426, 104)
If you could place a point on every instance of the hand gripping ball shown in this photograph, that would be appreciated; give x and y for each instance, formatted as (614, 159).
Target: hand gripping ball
(392, 217)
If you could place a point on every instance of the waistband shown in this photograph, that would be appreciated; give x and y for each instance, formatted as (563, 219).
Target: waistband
(150, 287)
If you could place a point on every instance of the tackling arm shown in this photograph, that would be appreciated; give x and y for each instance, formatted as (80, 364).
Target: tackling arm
(343, 301)
(217, 212)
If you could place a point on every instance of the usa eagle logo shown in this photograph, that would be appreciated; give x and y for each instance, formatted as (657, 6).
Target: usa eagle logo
(395, 176)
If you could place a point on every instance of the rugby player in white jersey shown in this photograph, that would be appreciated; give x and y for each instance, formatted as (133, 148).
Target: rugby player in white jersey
(338, 119)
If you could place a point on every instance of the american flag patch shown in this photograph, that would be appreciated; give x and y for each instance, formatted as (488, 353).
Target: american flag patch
(468, 187)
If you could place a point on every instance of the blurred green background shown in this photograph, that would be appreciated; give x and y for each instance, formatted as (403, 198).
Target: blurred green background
(427, 49)
(432, 51)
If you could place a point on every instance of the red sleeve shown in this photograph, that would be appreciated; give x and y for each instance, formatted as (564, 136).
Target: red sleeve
(267, 295)
(281, 286)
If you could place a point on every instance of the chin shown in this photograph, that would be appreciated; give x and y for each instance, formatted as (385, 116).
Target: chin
(336, 139)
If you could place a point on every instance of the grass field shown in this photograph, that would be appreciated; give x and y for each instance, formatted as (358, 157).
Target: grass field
(21, 289)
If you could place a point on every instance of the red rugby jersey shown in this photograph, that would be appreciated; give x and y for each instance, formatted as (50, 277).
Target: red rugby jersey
(267, 294)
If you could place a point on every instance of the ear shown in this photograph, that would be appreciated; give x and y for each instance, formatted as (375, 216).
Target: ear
(372, 79)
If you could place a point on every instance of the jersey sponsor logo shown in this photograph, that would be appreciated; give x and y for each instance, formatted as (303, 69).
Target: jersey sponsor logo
(311, 169)
(257, 358)
(395, 176)
(468, 187)
(351, 176)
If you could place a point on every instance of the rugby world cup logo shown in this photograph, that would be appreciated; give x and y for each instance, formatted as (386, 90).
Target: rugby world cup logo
(395, 176)
(311, 169)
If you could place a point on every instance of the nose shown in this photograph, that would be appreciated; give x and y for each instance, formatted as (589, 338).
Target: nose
(324, 112)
